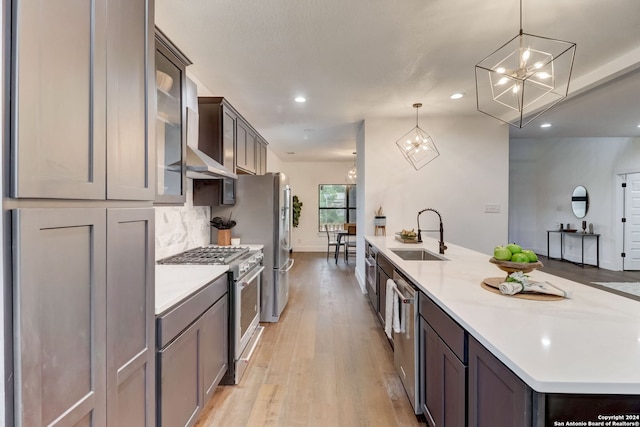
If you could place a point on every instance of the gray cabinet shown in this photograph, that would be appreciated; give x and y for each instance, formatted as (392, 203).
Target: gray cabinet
(60, 324)
(261, 157)
(443, 371)
(130, 317)
(84, 333)
(171, 121)
(59, 100)
(68, 133)
(497, 397)
(179, 378)
(130, 84)
(246, 140)
(215, 346)
(193, 353)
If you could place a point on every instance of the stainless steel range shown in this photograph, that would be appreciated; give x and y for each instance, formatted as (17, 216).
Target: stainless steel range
(245, 274)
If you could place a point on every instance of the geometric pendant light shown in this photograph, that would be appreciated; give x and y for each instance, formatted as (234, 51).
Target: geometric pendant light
(352, 174)
(417, 146)
(524, 77)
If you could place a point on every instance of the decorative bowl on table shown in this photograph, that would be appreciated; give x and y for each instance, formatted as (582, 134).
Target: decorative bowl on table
(511, 267)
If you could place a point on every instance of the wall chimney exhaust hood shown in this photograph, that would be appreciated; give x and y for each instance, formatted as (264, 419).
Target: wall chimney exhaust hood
(199, 164)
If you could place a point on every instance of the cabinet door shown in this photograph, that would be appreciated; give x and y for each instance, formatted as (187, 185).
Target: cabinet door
(180, 386)
(59, 98)
(60, 309)
(251, 152)
(497, 397)
(170, 126)
(228, 138)
(262, 165)
(242, 134)
(130, 317)
(215, 347)
(130, 50)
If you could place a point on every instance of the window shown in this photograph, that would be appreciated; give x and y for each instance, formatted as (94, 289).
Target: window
(337, 205)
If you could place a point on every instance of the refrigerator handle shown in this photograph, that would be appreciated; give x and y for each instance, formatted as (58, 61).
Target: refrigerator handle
(289, 266)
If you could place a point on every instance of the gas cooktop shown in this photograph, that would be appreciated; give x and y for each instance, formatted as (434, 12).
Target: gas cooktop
(211, 255)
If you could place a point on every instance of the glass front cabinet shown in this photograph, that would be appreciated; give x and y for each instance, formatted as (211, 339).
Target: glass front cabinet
(170, 131)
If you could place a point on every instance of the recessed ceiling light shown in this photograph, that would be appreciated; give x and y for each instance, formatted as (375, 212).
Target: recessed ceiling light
(457, 95)
(545, 125)
(300, 99)
(639, 126)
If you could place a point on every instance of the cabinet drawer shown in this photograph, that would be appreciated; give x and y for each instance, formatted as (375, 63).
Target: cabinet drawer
(385, 265)
(185, 313)
(447, 328)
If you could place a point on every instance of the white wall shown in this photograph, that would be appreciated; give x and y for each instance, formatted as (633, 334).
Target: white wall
(543, 174)
(471, 171)
(304, 178)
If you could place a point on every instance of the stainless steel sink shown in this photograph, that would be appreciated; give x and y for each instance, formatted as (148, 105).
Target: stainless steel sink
(417, 255)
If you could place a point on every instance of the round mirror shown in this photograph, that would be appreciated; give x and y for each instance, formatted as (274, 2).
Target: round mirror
(580, 201)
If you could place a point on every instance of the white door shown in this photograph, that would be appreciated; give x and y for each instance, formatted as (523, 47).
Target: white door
(631, 227)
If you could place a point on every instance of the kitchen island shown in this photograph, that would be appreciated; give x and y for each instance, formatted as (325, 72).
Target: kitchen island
(588, 345)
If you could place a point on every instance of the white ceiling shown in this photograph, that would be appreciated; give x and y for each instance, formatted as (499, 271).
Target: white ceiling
(359, 59)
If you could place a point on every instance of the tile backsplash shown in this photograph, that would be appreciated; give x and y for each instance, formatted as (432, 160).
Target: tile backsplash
(179, 228)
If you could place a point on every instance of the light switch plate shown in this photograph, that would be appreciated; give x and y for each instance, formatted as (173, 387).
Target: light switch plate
(492, 208)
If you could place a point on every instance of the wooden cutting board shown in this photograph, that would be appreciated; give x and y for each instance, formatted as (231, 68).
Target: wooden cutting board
(491, 284)
(406, 240)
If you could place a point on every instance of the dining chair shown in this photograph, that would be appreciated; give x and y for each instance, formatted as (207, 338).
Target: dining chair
(331, 242)
(350, 242)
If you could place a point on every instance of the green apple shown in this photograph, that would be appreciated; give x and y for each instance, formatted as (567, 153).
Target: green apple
(502, 253)
(530, 254)
(514, 249)
(519, 257)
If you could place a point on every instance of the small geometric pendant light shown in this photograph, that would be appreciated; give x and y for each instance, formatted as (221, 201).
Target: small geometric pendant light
(524, 77)
(417, 146)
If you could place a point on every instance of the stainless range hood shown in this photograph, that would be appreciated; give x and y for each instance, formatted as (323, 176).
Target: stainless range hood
(201, 166)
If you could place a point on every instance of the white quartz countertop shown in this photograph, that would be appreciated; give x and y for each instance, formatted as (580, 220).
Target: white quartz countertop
(176, 282)
(587, 344)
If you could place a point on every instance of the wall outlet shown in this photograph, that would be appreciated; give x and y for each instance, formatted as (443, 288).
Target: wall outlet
(492, 208)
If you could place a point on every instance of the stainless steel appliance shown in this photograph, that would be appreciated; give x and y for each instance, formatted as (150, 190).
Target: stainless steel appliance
(263, 213)
(405, 344)
(245, 274)
(370, 274)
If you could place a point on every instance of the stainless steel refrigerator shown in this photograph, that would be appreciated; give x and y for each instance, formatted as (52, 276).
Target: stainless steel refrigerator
(263, 213)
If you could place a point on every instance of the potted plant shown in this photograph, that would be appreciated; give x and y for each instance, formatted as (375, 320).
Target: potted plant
(297, 208)
(380, 220)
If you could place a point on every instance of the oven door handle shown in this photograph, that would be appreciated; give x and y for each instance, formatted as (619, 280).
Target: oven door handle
(244, 282)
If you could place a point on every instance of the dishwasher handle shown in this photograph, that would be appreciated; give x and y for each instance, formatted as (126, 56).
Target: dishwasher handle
(403, 298)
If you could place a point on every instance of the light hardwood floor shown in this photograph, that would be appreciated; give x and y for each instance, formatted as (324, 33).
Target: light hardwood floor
(325, 363)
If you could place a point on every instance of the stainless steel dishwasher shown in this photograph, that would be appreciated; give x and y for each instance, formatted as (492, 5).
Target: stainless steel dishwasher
(406, 342)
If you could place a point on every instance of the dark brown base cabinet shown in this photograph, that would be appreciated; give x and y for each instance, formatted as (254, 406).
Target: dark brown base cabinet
(443, 371)
(497, 397)
(443, 380)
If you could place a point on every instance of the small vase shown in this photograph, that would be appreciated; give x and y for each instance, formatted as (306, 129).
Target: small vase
(224, 237)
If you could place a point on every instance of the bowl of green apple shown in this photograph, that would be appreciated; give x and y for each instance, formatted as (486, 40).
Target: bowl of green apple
(512, 258)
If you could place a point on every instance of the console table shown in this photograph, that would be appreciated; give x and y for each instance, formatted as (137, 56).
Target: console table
(582, 237)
